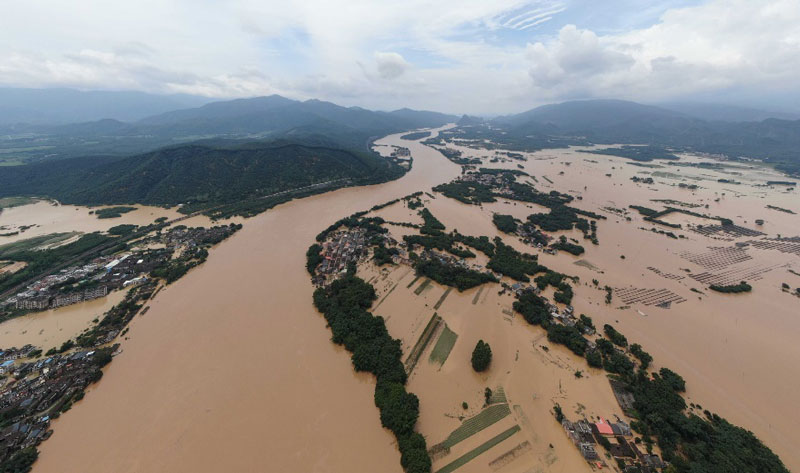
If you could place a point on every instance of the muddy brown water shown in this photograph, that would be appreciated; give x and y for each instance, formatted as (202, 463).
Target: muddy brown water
(232, 369)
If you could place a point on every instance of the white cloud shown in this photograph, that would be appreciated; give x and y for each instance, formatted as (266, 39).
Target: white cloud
(453, 55)
(390, 65)
(733, 43)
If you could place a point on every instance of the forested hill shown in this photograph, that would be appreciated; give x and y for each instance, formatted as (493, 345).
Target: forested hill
(201, 176)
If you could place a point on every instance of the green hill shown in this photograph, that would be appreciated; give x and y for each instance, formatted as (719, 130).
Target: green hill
(198, 176)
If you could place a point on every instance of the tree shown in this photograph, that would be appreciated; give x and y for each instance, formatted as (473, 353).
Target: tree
(481, 356)
(487, 393)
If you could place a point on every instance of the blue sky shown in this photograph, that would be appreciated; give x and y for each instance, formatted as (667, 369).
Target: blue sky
(464, 56)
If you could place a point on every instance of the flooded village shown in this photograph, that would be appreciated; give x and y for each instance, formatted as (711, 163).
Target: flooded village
(533, 370)
(39, 383)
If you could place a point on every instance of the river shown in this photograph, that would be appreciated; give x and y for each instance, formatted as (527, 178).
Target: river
(232, 368)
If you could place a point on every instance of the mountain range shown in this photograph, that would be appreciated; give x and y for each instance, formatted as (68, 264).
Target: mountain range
(259, 118)
(616, 121)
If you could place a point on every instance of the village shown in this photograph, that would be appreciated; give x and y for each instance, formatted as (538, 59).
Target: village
(104, 274)
(37, 386)
(602, 443)
(34, 392)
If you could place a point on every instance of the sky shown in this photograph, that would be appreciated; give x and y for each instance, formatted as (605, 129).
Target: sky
(456, 56)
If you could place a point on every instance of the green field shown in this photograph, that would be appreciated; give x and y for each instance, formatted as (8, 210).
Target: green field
(443, 346)
(8, 202)
(477, 296)
(475, 424)
(34, 243)
(472, 454)
(498, 395)
(423, 286)
(412, 282)
(441, 299)
(424, 339)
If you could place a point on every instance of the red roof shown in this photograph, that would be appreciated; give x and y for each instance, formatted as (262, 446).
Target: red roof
(604, 427)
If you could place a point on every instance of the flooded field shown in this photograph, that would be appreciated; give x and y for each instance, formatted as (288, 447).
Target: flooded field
(232, 368)
(44, 217)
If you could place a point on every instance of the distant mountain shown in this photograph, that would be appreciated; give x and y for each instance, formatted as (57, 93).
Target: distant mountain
(424, 119)
(61, 106)
(200, 175)
(269, 117)
(585, 115)
(725, 113)
(617, 121)
(468, 120)
(276, 113)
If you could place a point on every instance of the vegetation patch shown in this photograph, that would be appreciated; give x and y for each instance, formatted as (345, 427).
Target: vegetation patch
(444, 345)
(469, 456)
(113, 212)
(423, 341)
(455, 276)
(510, 262)
(732, 288)
(477, 423)
(344, 304)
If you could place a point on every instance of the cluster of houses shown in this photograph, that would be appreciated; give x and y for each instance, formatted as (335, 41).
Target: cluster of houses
(182, 236)
(107, 273)
(35, 391)
(616, 439)
(87, 282)
(338, 251)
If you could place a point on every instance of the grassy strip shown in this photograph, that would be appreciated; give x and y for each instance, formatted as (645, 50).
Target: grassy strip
(34, 243)
(469, 456)
(423, 286)
(473, 425)
(441, 299)
(413, 282)
(443, 346)
(477, 296)
(424, 339)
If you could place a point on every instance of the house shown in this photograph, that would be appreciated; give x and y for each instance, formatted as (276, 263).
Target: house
(604, 428)
(587, 450)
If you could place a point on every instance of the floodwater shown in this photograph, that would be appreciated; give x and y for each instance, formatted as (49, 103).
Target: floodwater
(232, 369)
(737, 353)
(533, 378)
(51, 328)
(45, 217)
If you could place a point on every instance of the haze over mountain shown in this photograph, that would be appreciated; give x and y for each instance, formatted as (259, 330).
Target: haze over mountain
(726, 113)
(618, 121)
(61, 106)
(254, 118)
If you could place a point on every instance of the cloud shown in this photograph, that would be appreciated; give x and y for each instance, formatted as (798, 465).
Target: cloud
(574, 60)
(459, 56)
(390, 65)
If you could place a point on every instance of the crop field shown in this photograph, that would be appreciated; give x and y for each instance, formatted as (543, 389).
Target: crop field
(475, 424)
(424, 285)
(423, 341)
(472, 454)
(443, 346)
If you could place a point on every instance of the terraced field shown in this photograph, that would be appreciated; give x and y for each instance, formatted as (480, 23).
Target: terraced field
(472, 454)
(473, 425)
